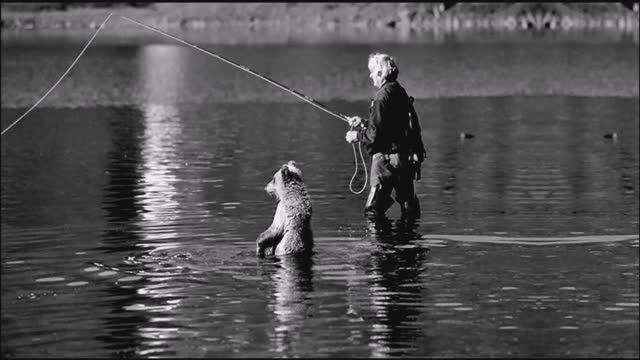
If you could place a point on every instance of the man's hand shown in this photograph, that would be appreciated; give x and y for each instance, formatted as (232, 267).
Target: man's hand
(355, 121)
(352, 136)
(418, 157)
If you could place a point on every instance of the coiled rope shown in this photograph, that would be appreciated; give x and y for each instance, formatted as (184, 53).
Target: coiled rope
(355, 171)
(273, 82)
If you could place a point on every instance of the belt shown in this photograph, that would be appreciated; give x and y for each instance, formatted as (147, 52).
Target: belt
(385, 156)
(388, 156)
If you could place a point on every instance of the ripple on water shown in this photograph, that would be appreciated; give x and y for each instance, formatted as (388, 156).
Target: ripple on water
(453, 322)
(569, 328)
(50, 279)
(448, 304)
(627, 304)
(507, 327)
(439, 240)
(14, 262)
(107, 273)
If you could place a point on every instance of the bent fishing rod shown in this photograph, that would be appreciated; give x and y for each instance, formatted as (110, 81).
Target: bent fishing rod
(301, 96)
(219, 57)
(295, 93)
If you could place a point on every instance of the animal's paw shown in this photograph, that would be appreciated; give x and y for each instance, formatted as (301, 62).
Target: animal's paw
(266, 251)
(258, 250)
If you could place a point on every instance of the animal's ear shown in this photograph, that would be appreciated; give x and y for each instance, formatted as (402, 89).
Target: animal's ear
(285, 170)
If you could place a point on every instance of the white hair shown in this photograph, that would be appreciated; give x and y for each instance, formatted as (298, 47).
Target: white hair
(385, 63)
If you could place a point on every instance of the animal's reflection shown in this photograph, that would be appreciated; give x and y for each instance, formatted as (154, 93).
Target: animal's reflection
(396, 293)
(292, 282)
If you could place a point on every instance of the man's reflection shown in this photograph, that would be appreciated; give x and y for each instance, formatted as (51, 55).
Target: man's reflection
(397, 290)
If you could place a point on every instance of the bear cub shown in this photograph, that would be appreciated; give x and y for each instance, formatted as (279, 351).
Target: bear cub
(290, 232)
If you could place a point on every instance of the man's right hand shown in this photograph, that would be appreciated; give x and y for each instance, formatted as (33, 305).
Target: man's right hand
(351, 136)
(418, 157)
(355, 121)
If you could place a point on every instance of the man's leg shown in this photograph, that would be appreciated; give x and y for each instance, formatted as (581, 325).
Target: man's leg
(410, 208)
(405, 194)
(379, 200)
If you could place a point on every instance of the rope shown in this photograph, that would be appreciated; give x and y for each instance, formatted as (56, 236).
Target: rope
(244, 68)
(61, 77)
(355, 172)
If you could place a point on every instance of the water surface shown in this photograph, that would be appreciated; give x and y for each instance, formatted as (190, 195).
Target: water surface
(131, 200)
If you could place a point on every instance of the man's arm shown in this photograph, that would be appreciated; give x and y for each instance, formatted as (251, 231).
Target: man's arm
(368, 134)
(419, 150)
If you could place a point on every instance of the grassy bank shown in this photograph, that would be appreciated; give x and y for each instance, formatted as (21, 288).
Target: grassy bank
(327, 17)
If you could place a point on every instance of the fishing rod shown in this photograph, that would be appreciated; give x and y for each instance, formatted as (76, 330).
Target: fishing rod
(295, 93)
(301, 96)
(222, 58)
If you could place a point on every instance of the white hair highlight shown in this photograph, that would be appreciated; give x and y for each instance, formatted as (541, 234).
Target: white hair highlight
(384, 63)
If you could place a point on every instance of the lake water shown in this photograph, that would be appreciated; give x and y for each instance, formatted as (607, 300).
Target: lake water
(151, 158)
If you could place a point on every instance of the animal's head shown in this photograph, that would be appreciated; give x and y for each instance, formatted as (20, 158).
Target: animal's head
(287, 174)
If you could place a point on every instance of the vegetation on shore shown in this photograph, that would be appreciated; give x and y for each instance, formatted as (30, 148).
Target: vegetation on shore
(329, 17)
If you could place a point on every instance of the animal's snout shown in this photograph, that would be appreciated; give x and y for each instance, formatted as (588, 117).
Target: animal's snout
(270, 188)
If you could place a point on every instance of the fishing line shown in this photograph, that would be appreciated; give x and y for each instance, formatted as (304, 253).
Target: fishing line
(277, 84)
(243, 68)
(61, 77)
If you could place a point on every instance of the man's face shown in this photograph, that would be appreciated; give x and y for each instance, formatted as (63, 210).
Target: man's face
(376, 75)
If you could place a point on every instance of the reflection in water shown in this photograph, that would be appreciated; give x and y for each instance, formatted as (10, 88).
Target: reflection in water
(159, 69)
(159, 219)
(122, 233)
(162, 70)
(143, 211)
(159, 164)
(292, 282)
(396, 291)
(123, 174)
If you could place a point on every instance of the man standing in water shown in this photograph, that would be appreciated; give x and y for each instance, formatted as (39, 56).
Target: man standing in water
(393, 138)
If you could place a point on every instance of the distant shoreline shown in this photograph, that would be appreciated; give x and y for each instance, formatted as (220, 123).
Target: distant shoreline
(249, 22)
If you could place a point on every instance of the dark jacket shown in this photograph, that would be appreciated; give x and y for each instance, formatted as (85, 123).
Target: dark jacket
(388, 119)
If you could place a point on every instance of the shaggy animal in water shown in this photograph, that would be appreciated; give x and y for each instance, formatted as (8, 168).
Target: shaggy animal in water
(290, 232)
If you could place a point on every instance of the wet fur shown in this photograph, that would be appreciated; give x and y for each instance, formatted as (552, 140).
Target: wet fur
(290, 231)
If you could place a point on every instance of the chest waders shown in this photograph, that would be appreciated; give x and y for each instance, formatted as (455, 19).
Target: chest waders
(391, 172)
